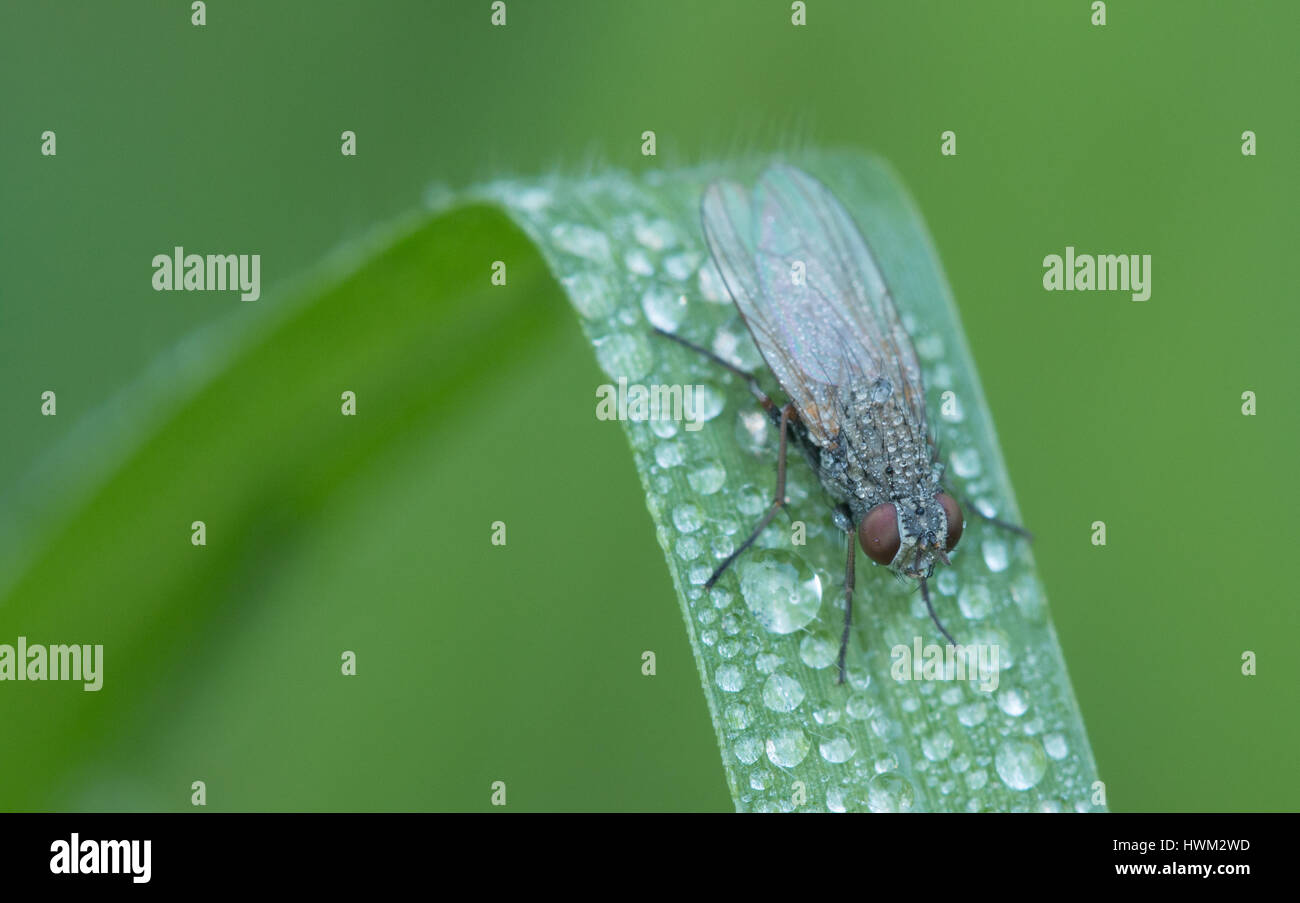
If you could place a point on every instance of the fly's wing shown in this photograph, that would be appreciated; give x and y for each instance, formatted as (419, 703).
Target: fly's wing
(811, 294)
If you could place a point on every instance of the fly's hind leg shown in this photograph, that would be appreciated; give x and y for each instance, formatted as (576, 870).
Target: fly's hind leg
(783, 419)
(778, 501)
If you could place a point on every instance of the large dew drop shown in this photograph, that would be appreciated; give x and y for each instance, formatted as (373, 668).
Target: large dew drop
(664, 308)
(780, 589)
(1020, 763)
(730, 679)
(837, 749)
(787, 748)
(782, 693)
(890, 792)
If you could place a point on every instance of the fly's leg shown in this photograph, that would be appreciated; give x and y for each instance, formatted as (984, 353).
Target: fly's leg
(925, 594)
(848, 592)
(763, 399)
(778, 502)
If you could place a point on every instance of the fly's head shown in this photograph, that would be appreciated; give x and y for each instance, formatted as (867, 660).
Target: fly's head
(912, 533)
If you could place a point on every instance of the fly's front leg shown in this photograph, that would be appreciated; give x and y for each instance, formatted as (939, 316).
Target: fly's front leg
(778, 502)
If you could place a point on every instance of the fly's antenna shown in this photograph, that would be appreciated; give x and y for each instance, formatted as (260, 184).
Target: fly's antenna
(925, 594)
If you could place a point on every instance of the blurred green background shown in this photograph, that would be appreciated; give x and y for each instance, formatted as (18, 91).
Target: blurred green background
(479, 664)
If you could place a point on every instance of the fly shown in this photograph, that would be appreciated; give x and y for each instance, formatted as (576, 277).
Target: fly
(816, 302)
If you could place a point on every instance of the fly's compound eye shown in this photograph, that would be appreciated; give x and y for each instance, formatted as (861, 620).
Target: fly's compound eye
(878, 533)
(953, 513)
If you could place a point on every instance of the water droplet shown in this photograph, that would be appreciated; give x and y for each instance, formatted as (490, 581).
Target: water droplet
(881, 389)
(975, 601)
(668, 454)
(688, 548)
(937, 746)
(972, 714)
(995, 555)
(706, 404)
(638, 263)
(827, 716)
(837, 749)
(707, 478)
(534, 200)
(736, 347)
(664, 429)
(752, 430)
(951, 410)
(748, 749)
(780, 589)
(767, 662)
(782, 693)
(946, 582)
(859, 707)
(1013, 702)
(990, 636)
(737, 716)
(655, 235)
(884, 728)
(687, 518)
(663, 308)
(680, 266)
(1025, 591)
(625, 354)
(1055, 746)
(817, 651)
(1020, 763)
(966, 462)
(930, 347)
(890, 792)
(722, 547)
(835, 799)
(730, 679)
(581, 241)
(787, 748)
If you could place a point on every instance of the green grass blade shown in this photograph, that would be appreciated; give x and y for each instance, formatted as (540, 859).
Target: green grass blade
(629, 251)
